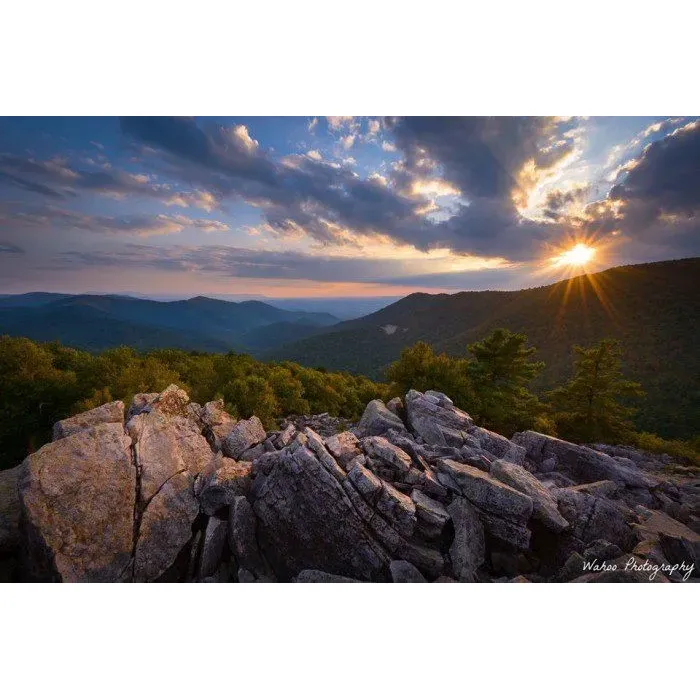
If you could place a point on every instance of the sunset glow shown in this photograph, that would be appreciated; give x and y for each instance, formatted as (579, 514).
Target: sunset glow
(577, 256)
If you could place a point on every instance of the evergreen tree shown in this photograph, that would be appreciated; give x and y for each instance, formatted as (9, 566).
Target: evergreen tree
(588, 407)
(500, 374)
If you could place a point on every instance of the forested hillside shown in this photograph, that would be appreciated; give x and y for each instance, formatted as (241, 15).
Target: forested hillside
(651, 309)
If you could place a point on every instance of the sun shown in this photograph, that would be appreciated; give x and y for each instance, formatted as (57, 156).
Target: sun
(577, 256)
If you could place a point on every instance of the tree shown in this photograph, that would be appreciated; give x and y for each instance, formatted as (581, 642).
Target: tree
(421, 369)
(500, 374)
(588, 408)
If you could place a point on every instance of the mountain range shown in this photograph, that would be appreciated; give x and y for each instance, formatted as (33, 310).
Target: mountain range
(651, 308)
(94, 322)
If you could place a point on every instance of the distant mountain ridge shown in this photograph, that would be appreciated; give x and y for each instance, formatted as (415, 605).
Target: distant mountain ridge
(651, 308)
(96, 322)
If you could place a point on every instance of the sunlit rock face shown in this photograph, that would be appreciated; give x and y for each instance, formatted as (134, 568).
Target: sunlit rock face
(414, 493)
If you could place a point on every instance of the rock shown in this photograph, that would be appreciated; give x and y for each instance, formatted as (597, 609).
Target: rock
(381, 449)
(252, 453)
(367, 484)
(436, 420)
(165, 527)
(602, 489)
(404, 572)
(468, 548)
(398, 509)
(139, 404)
(213, 546)
(513, 534)
(218, 488)
(602, 550)
(583, 463)
(77, 500)
(396, 407)
(593, 518)
(216, 423)
(315, 576)
(486, 492)
(574, 567)
(344, 447)
(172, 402)
(429, 510)
(243, 540)
(307, 521)
(499, 446)
(166, 444)
(9, 510)
(544, 504)
(286, 436)
(244, 435)
(317, 446)
(654, 523)
(108, 413)
(378, 420)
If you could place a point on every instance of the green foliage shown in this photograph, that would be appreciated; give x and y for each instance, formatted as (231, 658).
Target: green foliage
(687, 450)
(421, 369)
(500, 375)
(41, 383)
(492, 387)
(590, 407)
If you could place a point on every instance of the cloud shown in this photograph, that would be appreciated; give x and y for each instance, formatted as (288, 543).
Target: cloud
(56, 179)
(657, 202)
(336, 123)
(7, 248)
(139, 225)
(227, 262)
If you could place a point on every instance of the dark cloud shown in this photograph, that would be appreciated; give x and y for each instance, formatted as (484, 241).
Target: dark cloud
(487, 159)
(57, 179)
(7, 248)
(657, 204)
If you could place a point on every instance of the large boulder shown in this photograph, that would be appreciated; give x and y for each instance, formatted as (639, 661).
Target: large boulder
(499, 446)
(344, 447)
(244, 435)
(435, 419)
(307, 521)
(165, 445)
(503, 511)
(165, 527)
(77, 497)
(107, 413)
(592, 518)
(583, 463)
(468, 548)
(544, 504)
(378, 420)
(216, 423)
(218, 488)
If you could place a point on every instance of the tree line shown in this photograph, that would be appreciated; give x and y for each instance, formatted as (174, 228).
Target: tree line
(41, 383)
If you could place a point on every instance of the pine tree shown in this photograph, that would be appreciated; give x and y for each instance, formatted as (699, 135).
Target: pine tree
(588, 408)
(500, 375)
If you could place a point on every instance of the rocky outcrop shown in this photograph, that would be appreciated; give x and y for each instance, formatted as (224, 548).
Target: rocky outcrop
(415, 493)
(108, 413)
(78, 500)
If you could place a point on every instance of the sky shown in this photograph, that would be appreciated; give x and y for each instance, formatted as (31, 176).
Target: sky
(339, 206)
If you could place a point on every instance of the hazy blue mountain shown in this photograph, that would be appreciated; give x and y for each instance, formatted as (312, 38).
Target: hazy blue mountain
(96, 322)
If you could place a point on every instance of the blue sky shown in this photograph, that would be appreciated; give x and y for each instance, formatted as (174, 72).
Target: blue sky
(338, 206)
